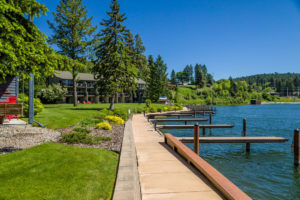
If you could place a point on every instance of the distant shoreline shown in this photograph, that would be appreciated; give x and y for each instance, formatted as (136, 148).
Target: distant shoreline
(280, 102)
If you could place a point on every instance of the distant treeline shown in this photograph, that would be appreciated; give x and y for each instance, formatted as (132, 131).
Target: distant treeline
(285, 84)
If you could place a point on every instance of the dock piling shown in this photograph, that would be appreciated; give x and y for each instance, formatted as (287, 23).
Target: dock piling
(245, 134)
(296, 147)
(196, 139)
(210, 118)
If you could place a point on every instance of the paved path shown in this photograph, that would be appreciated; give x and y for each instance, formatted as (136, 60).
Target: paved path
(127, 183)
(163, 174)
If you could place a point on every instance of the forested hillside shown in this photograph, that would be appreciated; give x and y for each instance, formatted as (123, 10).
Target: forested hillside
(286, 84)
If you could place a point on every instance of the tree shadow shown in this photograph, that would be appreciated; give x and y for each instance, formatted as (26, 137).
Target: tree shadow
(8, 149)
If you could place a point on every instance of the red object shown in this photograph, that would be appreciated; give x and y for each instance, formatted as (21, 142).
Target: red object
(12, 99)
(84, 102)
(89, 102)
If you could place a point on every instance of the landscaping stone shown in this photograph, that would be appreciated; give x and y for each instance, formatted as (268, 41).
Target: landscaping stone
(14, 138)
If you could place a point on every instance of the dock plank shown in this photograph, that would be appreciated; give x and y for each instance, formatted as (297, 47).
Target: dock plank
(192, 126)
(234, 139)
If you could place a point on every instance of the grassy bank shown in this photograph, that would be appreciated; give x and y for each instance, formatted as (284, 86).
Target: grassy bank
(189, 94)
(55, 171)
(62, 115)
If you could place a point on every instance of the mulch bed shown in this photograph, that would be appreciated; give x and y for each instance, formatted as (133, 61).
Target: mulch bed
(114, 144)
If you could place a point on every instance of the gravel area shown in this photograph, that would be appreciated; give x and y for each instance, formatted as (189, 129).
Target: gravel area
(14, 138)
(114, 144)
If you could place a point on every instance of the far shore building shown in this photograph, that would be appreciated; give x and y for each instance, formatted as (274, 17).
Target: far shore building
(86, 89)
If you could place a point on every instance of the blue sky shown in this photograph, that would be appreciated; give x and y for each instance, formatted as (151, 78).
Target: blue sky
(233, 37)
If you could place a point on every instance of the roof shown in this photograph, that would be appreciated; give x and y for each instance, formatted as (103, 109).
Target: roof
(67, 75)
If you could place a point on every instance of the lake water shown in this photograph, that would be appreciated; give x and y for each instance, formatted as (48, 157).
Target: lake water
(267, 172)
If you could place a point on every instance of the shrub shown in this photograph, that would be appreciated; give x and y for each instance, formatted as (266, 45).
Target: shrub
(103, 126)
(91, 121)
(38, 106)
(82, 130)
(148, 103)
(52, 94)
(115, 119)
(121, 113)
(138, 110)
(153, 109)
(74, 138)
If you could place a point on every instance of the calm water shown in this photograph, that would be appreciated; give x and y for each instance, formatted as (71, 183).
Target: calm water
(267, 172)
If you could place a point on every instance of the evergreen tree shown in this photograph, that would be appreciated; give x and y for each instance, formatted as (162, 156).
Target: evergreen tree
(173, 77)
(186, 73)
(163, 76)
(197, 74)
(72, 30)
(140, 58)
(154, 81)
(180, 77)
(23, 47)
(114, 69)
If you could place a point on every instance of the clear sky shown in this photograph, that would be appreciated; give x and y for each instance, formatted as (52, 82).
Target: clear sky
(232, 37)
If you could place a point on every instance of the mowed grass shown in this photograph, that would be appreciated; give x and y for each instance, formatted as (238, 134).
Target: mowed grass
(63, 115)
(56, 171)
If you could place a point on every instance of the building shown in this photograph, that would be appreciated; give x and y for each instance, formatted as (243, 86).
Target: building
(9, 89)
(86, 89)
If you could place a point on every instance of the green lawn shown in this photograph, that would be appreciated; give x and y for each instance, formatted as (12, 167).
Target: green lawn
(56, 171)
(62, 115)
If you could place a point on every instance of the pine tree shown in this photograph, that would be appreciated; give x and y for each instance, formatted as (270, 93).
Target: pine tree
(140, 58)
(72, 30)
(154, 81)
(163, 80)
(114, 68)
(197, 74)
(173, 77)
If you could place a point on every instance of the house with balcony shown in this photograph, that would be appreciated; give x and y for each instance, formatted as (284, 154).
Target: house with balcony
(87, 89)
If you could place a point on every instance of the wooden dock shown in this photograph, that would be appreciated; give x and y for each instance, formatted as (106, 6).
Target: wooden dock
(180, 120)
(234, 139)
(192, 126)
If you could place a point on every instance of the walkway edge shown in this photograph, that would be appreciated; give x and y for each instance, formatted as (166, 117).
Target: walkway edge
(128, 182)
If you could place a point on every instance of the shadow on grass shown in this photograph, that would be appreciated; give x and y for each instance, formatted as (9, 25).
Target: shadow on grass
(98, 109)
(8, 150)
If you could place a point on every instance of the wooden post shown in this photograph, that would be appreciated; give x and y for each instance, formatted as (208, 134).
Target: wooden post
(195, 113)
(203, 131)
(196, 139)
(185, 122)
(155, 122)
(296, 147)
(210, 118)
(245, 134)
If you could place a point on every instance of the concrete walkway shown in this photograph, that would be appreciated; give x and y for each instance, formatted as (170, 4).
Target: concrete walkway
(163, 174)
(127, 183)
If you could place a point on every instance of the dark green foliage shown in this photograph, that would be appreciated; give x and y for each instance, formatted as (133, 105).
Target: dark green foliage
(23, 47)
(114, 68)
(52, 93)
(140, 59)
(82, 130)
(158, 83)
(285, 84)
(173, 77)
(199, 76)
(72, 33)
(148, 102)
(80, 135)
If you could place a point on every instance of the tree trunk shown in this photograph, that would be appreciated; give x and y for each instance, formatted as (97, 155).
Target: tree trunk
(74, 91)
(111, 107)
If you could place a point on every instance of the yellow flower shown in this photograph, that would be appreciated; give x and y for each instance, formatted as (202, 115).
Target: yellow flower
(104, 126)
(114, 119)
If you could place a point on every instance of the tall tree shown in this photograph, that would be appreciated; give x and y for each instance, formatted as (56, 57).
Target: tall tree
(163, 76)
(72, 32)
(114, 69)
(173, 77)
(180, 76)
(23, 47)
(199, 76)
(140, 58)
(153, 85)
